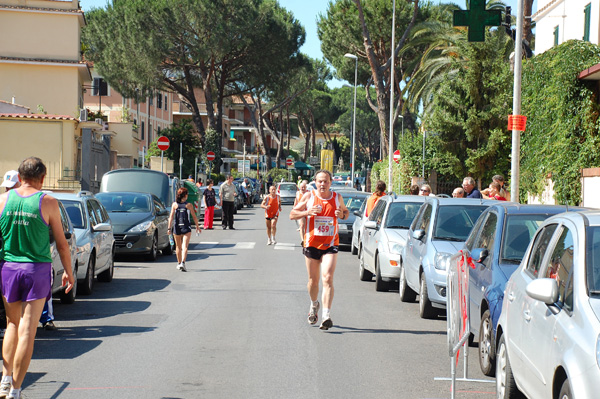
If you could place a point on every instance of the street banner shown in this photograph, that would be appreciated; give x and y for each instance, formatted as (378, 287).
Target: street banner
(327, 160)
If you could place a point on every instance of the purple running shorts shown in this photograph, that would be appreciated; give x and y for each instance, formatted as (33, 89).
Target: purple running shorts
(26, 282)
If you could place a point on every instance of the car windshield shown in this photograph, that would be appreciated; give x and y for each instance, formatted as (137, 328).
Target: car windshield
(137, 180)
(288, 187)
(125, 202)
(592, 260)
(518, 232)
(401, 214)
(75, 212)
(454, 222)
(354, 203)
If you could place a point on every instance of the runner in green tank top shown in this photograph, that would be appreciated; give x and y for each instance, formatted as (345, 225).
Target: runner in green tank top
(25, 271)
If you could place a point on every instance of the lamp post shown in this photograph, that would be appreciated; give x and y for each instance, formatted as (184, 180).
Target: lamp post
(355, 58)
(390, 150)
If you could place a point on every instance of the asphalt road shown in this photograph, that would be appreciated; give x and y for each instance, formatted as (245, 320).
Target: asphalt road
(234, 326)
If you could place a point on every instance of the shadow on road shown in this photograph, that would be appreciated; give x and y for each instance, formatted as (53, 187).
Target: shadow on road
(355, 330)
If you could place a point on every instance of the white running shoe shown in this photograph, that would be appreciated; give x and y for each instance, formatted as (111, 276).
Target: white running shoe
(179, 266)
(4, 389)
(274, 241)
(183, 269)
(269, 242)
(313, 314)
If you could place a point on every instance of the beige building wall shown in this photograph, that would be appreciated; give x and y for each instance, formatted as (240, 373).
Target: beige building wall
(55, 88)
(124, 140)
(47, 35)
(50, 140)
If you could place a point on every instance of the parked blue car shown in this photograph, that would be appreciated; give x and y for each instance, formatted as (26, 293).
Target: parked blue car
(496, 245)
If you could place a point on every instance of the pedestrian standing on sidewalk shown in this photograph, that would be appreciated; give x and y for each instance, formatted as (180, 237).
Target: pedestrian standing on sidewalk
(378, 193)
(210, 201)
(179, 221)
(27, 216)
(272, 206)
(322, 208)
(227, 194)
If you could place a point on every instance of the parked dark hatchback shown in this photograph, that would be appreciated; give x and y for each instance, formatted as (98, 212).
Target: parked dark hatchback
(496, 245)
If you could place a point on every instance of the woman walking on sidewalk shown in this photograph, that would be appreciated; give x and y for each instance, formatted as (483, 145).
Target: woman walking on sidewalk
(180, 222)
(272, 207)
(210, 200)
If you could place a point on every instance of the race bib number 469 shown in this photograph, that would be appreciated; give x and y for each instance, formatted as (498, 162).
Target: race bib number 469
(324, 226)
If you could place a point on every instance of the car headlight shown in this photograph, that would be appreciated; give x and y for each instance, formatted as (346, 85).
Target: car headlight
(140, 227)
(395, 248)
(442, 259)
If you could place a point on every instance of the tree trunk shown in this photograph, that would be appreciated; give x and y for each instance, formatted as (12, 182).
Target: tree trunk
(527, 10)
(313, 134)
(288, 127)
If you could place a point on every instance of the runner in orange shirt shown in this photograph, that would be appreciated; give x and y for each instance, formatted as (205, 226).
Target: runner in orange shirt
(372, 200)
(302, 188)
(272, 207)
(321, 208)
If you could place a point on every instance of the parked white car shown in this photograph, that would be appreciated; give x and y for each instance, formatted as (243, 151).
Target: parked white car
(548, 333)
(384, 237)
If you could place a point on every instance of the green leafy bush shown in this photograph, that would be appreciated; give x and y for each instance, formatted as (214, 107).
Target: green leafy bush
(562, 125)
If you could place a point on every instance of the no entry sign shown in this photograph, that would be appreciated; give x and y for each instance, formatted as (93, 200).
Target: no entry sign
(210, 156)
(163, 143)
(289, 162)
(397, 156)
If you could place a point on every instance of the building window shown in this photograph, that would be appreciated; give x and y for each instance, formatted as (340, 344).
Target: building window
(159, 101)
(165, 102)
(143, 127)
(556, 35)
(587, 12)
(100, 87)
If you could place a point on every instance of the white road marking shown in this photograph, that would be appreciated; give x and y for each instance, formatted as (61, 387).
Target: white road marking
(244, 245)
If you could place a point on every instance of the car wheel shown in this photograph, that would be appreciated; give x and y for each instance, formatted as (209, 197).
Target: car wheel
(354, 250)
(487, 352)
(426, 310)
(87, 285)
(380, 285)
(363, 273)
(565, 391)
(153, 249)
(506, 387)
(107, 275)
(406, 293)
(69, 298)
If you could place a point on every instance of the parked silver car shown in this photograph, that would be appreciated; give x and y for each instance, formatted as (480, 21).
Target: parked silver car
(95, 241)
(384, 237)
(548, 333)
(437, 232)
(286, 192)
(57, 266)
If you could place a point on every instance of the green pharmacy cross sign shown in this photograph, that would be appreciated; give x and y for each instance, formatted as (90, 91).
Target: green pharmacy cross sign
(476, 19)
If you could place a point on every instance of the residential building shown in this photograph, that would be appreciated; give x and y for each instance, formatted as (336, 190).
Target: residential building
(41, 70)
(557, 21)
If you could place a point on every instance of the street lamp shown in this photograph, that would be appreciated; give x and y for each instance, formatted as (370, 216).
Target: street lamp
(390, 151)
(355, 58)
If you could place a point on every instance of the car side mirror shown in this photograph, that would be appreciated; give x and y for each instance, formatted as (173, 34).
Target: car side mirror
(163, 212)
(418, 234)
(544, 290)
(480, 254)
(357, 213)
(371, 224)
(68, 235)
(102, 227)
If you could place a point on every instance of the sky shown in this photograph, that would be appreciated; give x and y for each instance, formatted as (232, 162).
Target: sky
(305, 11)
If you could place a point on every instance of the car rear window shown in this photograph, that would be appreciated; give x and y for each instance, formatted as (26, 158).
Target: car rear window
(518, 232)
(454, 222)
(401, 214)
(354, 203)
(288, 187)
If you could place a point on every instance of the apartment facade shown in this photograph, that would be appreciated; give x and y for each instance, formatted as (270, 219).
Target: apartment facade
(41, 71)
(557, 21)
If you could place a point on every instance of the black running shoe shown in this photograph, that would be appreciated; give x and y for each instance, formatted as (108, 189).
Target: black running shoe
(326, 324)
